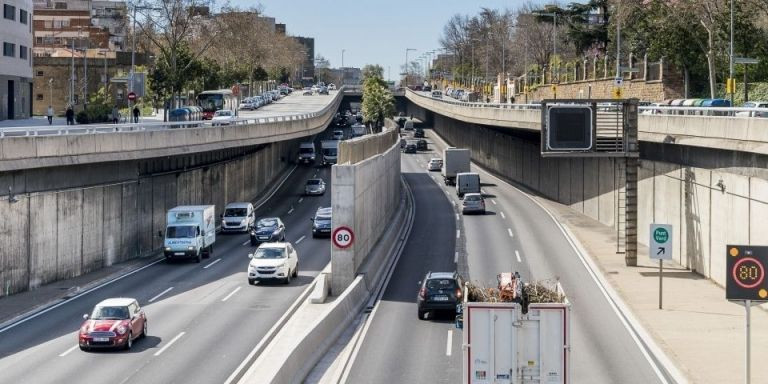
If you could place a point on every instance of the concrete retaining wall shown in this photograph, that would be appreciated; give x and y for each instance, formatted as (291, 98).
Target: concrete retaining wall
(52, 235)
(365, 196)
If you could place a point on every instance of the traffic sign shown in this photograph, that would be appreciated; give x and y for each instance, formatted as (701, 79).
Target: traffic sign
(132, 96)
(660, 246)
(343, 237)
(617, 93)
(745, 273)
(618, 81)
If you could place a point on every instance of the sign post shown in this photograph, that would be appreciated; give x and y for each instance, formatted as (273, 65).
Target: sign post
(660, 248)
(745, 281)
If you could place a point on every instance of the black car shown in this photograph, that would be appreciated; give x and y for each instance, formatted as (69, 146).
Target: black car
(321, 223)
(419, 133)
(267, 230)
(439, 291)
(410, 148)
(421, 145)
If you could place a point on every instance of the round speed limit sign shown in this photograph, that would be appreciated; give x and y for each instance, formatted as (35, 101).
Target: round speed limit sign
(343, 237)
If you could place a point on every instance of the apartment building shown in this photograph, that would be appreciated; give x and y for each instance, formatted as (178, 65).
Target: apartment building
(16, 61)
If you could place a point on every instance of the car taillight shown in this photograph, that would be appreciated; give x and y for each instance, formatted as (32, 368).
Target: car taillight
(422, 292)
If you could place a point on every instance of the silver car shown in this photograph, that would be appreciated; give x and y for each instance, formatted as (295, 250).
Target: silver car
(473, 203)
(314, 187)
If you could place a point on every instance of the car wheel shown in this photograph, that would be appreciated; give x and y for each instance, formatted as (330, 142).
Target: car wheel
(254, 242)
(421, 315)
(288, 277)
(144, 330)
(251, 282)
(84, 348)
(199, 257)
(129, 342)
(283, 238)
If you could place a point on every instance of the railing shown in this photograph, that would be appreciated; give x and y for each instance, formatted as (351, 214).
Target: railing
(86, 129)
(644, 110)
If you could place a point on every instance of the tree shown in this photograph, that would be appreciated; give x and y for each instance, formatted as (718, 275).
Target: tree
(378, 102)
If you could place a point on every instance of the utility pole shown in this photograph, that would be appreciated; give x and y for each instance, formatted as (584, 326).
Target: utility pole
(406, 64)
(72, 77)
(133, 55)
(85, 73)
(618, 42)
(342, 66)
(731, 82)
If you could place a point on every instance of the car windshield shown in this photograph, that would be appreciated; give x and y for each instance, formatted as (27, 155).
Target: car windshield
(306, 150)
(473, 197)
(329, 151)
(269, 253)
(441, 284)
(235, 212)
(223, 113)
(313, 182)
(267, 223)
(109, 313)
(181, 232)
(323, 219)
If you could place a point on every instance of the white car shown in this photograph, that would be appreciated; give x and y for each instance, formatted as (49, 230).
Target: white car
(273, 261)
(761, 109)
(223, 117)
(237, 217)
(435, 164)
(331, 87)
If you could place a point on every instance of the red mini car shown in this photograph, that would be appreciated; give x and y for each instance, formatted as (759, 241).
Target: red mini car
(114, 323)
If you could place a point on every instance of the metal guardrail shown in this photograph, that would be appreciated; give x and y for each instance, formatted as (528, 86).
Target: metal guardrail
(85, 129)
(644, 110)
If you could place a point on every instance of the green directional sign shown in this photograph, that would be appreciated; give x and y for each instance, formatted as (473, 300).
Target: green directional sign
(660, 244)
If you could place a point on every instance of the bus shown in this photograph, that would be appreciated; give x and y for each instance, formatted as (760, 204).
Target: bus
(212, 101)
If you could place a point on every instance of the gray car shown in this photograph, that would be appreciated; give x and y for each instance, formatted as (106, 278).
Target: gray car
(473, 203)
(314, 187)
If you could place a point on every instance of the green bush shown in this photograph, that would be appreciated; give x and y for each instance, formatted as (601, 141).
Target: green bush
(94, 114)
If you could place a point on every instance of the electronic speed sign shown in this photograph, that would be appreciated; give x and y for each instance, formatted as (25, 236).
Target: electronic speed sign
(569, 127)
(745, 273)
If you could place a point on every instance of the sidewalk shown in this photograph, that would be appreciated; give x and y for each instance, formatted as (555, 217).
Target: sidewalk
(698, 329)
(41, 121)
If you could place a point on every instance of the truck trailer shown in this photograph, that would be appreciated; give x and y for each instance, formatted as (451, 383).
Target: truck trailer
(455, 160)
(190, 232)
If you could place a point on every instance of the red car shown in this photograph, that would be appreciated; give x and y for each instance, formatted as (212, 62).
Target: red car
(114, 323)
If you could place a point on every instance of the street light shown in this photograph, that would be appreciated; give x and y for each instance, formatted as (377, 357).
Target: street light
(554, 31)
(133, 45)
(406, 64)
(342, 67)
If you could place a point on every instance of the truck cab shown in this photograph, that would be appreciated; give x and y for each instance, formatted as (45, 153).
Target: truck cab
(330, 151)
(307, 153)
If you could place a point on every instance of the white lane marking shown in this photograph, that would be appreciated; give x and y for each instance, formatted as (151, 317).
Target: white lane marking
(482, 190)
(449, 343)
(68, 351)
(300, 239)
(211, 264)
(447, 194)
(247, 242)
(169, 344)
(517, 254)
(301, 199)
(290, 211)
(456, 257)
(509, 230)
(457, 216)
(502, 215)
(458, 233)
(230, 294)
(434, 178)
(160, 294)
(493, 201)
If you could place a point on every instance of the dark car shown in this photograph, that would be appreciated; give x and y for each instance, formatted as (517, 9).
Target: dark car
(419, 133)
(267, 230)
(410, 148)
(439, 291)
(321, 223)
(421, 145)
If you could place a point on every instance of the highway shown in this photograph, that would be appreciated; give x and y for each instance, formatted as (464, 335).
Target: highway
(515, 235)
(203, 319)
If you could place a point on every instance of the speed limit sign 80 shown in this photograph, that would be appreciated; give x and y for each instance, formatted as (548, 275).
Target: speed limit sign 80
(343, 237)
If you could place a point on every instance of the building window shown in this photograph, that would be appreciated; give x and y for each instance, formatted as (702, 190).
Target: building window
(40, 74)
(61, 5)
(22, 52)
(23, 16)
(9, 12)
(9, 49)
(39, 96)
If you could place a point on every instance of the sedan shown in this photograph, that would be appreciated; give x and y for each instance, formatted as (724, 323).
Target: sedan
(223, 117)
(266, 230)
(435, 164)
(473, 203)
(314, 187)
(410, 148)
(113, 323)
(421, 145)
(273, 261)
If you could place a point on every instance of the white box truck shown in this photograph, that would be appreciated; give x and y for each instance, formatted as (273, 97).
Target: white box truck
(329, 150)
(503, 345)
(467, 182)
(455, 160)
(190, 232)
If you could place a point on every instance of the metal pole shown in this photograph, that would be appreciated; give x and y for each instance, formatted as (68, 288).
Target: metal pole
(730, 65)
(133, 56)
(85, 76)
(748, 365)
(555, 38)
(618, 44)
(72, 78)
(661, 272)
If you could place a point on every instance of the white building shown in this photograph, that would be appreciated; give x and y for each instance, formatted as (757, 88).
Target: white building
(16, 60)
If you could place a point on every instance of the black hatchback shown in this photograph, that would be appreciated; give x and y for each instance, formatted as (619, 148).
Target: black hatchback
(439, 291)
(421, 145)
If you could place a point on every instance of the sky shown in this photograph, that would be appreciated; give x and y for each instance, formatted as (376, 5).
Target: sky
(373, 31)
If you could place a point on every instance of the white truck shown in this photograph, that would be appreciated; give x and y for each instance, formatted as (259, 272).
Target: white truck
(358, 130)
(504, 345)
(467, 182)
(330, 151)
(455, 160)
(190, 232)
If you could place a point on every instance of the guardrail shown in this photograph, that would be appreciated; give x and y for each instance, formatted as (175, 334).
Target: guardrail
(645, 110)
(86, 129)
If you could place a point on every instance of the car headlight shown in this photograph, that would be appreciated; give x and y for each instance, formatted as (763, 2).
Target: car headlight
(167, 248)
(275, 232)
(223, 222)
(191, 248)
(121, 329)
(242, 222)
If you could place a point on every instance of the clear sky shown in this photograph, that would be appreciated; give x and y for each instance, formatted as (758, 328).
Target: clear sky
(373, 31)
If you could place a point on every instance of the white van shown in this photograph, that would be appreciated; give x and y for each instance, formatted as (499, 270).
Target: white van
(237, 217)
(307, 153)
(467, 182)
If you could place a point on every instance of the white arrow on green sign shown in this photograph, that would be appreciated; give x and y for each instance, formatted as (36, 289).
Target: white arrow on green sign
(660, 245)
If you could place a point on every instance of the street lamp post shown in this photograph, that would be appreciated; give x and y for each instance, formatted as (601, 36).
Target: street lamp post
(406, 64)
(554, 31)
(731, 82)
(342, 67)
(133, 47)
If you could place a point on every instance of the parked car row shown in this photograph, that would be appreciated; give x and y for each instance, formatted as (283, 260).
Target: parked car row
(258, 101)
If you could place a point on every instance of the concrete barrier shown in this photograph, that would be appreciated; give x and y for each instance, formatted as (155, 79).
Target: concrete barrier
(365, 196)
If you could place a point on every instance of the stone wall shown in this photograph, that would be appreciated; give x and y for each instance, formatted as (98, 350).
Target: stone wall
(656, 91)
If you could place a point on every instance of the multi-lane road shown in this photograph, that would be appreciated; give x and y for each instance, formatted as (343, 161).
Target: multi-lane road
(203, 319)
(514, 235)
